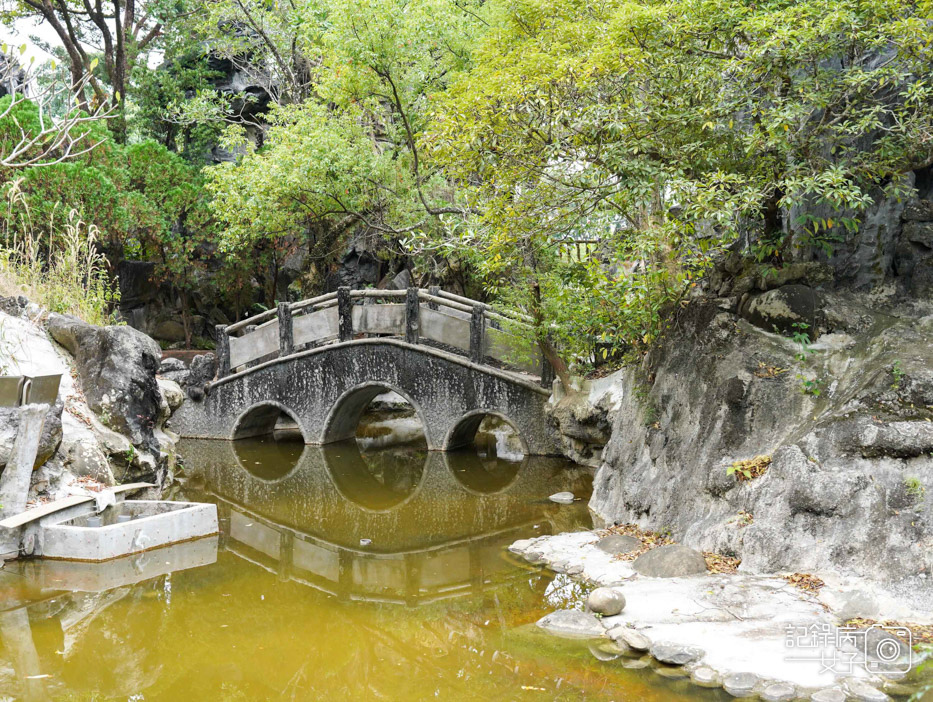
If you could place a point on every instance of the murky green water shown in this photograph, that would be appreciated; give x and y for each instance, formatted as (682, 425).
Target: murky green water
(338, 575)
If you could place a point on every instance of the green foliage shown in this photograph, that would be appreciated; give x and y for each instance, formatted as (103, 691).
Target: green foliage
(914, 487)
(669, 129)
(897, 373)
(810, 386)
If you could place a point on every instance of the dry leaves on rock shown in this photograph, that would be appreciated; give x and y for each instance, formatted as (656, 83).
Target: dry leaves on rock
(649, 539)
(717, 563)
(919, 633)
(804, 581)
(750, 468)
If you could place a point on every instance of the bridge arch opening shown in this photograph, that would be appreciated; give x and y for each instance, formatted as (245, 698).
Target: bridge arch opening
(268, 441)
(378, 417)
(490, 435)
(376, 481)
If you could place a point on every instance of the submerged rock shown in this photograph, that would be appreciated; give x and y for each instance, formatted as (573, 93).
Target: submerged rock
(779, 692)
(607, 601)
(670, 561)
(571, 623)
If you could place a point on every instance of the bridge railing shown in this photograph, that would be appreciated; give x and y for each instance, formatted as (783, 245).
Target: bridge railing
(432, 316)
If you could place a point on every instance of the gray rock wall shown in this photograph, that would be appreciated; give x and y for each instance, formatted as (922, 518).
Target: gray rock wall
(850, 486)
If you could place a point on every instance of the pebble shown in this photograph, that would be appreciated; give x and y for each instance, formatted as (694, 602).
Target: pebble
(562, 498)
(740, 684)
(675, 654)
(779, 692)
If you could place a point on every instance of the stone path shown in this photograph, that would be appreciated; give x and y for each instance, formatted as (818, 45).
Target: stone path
(753, 635)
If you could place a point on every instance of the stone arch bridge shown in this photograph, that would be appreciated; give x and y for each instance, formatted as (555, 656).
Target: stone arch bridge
(321, 361)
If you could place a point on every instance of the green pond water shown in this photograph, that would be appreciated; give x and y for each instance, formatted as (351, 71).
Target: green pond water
(339, 574)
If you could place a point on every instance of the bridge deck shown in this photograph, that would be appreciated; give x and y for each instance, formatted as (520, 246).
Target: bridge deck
(454, 324)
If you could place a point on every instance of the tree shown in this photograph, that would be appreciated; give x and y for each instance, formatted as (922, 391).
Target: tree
(670, 129)
(120, 31)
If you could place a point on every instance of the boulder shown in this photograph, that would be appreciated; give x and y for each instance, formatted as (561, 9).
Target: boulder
(169, 330)
(571, 623)
(619, 543)
(780, 309)
(670, 561)
(202, 370)
(172, 393)
(676, 654)
(49, 441)
(607, 601)
(116, 368)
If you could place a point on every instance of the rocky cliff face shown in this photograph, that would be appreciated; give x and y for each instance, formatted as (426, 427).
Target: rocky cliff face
(840, 416)
(108, 422)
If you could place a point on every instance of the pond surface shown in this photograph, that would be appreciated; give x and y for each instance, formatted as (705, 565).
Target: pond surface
(339, 574)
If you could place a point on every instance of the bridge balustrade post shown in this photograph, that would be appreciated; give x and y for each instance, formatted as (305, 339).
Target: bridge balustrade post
(412, 316)
(478, 334)
(222, 351)
(286, 331)
(433, 291)
(344, 313)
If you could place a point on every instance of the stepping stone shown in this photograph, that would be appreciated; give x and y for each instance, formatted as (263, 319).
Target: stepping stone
(635, 663)
(705, 677)
(631, 638)
(863, 692)
(562, 498)
(677, 673)
(571, 623)
(779, 692)
(671, 561)
(830, 694)
(676, 654)
(618, 543)
(607, 601)
(740, 684)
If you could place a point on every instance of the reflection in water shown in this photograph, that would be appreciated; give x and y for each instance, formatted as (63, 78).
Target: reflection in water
(288, 604)
(478, 473)
(376, 480)
(268, 458)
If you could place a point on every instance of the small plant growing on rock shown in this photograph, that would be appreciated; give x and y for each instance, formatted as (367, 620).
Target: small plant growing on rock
(915, 488)
(801, 337)
(742, 519)
(750, 468)
(898, 374)
(808, 386)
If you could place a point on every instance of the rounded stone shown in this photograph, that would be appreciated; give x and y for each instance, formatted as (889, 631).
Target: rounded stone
(675, 654)
(607, 601)
(631, 638)
(830, 694)
(779, 692)
(705, 677)
(618, 543)
(670, 561)
(562, 498)
(740, 684)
